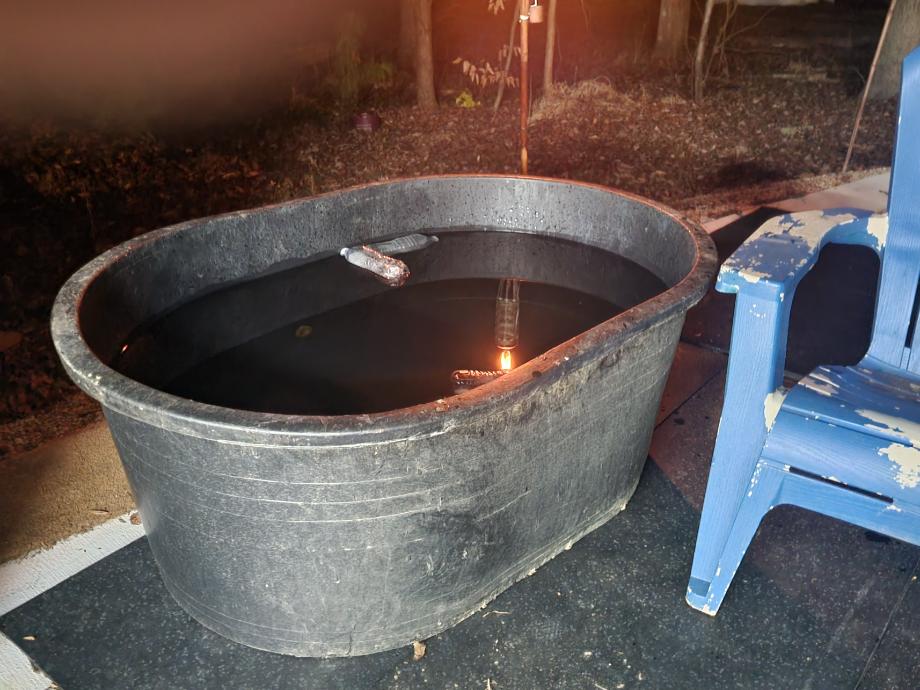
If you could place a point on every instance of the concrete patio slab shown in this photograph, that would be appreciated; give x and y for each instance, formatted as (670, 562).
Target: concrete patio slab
(64, 487)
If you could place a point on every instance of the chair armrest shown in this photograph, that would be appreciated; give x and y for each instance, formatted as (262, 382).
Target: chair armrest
(763, 272)
(777, 256)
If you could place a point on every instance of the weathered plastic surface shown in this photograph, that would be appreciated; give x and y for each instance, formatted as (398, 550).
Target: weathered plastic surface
(845, 440)
(336, 536)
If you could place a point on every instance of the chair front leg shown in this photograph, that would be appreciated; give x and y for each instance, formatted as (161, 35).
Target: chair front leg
(753, 396)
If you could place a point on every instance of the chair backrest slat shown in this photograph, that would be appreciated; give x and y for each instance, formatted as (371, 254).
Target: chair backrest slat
(901, 260)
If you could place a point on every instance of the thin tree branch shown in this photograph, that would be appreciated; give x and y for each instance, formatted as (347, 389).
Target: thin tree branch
(507, 66)
(865, 93)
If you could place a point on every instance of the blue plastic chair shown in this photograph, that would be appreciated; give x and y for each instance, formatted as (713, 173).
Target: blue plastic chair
(844, 441)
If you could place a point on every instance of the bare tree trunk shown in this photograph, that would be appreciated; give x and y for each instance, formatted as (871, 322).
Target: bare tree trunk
(673, 27)
(549, 55)
(406, 49)
(424, 59)
(698, 67)
(903, 36)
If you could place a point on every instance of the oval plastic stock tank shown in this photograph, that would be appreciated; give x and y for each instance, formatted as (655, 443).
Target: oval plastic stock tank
(346, 535)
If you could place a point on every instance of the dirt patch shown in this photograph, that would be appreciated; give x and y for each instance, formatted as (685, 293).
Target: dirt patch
(63, 488)
(72, 412)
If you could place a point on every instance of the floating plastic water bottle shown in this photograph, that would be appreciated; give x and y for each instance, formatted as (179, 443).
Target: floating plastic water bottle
(388, 270)
(377, 258)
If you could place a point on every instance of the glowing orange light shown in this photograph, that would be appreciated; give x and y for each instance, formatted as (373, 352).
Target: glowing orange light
(505, 360)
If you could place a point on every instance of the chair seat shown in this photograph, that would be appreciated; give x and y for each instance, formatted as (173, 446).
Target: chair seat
(858, 426)
(869, 400)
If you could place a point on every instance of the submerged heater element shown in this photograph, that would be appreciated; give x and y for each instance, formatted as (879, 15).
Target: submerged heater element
(507, 318)
(507, 313)
(465, 379)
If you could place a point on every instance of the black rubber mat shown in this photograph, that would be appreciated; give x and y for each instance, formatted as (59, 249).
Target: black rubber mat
(609, 613)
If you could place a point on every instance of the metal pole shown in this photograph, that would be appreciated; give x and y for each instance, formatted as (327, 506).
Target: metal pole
(524, 18)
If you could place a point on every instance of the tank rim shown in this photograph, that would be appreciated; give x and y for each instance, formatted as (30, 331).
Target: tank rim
(125, 396)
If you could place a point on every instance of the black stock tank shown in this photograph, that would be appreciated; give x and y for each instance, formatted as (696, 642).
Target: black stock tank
(307, 479)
